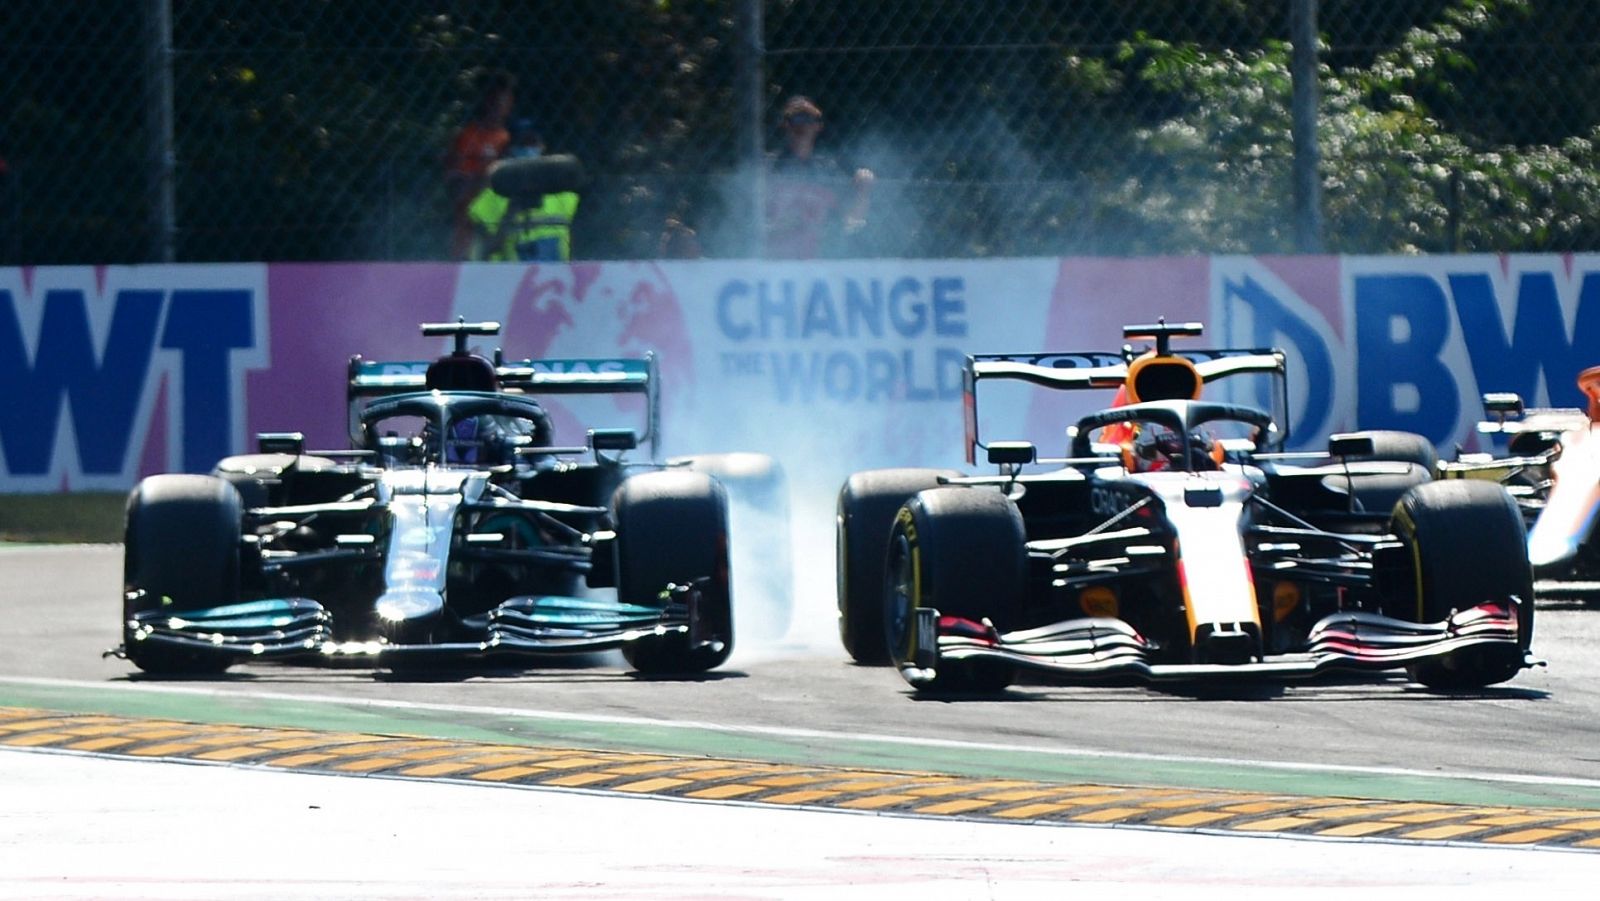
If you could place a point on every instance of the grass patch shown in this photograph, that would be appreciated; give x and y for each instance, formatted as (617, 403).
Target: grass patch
(62, 517)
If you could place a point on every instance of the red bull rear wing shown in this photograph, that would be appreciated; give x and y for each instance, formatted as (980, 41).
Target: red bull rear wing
(1109, 370)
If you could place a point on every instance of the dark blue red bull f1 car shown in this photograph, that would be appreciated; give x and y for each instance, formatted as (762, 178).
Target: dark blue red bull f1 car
(1178, 541)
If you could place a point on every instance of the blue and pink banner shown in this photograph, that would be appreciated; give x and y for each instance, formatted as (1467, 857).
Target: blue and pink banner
(112, 373)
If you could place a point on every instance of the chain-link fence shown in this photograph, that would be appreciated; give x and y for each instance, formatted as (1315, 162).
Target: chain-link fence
(207, 130)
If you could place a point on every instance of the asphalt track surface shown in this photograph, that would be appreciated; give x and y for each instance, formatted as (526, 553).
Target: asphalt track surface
(559, 781)
(1534, 741)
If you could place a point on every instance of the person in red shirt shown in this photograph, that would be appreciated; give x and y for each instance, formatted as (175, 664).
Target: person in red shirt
(809, 197)
(479, 143)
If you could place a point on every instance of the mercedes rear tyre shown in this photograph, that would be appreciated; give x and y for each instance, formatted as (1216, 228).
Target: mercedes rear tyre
(758, 509)
(265, 480)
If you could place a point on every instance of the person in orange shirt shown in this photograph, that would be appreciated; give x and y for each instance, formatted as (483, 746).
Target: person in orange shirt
(479, 143)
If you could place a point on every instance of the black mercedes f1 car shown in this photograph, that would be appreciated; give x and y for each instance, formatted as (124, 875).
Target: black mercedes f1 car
(455, 527)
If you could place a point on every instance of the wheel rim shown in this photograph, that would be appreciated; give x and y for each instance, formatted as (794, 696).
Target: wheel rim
(841, 578)
(902, 599)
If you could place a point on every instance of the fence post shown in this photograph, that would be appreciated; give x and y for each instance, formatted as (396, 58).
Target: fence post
(1303, 72)
(1453, 210)
(750, 101)
(161, 157)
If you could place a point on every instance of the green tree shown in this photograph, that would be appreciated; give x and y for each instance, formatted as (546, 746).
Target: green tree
(1397, 175)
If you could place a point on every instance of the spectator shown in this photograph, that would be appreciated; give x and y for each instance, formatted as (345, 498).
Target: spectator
(527, 229)
(479, 143)
(487, 211)
(678, 240)
(809, 200)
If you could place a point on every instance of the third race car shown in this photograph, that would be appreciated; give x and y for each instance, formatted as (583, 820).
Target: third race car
(1551, 465)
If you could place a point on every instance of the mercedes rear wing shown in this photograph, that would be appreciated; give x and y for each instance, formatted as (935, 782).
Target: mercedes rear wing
(1109, 370)
(370, 379)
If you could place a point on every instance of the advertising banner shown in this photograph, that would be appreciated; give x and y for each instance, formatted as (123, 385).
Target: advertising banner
(111, 373)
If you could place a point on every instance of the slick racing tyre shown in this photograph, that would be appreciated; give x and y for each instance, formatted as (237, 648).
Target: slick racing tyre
(961, 551)
(1401, 447)
(758, 512)
(263, 479)
(528, 178)
(181, 550)
(672, 528)
(1468, 545)
(1378, 492)
(867, 506)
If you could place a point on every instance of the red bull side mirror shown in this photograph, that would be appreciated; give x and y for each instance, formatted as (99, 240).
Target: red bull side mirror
(1011, 453)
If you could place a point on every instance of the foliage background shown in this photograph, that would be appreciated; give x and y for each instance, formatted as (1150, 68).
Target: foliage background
(314, 129)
